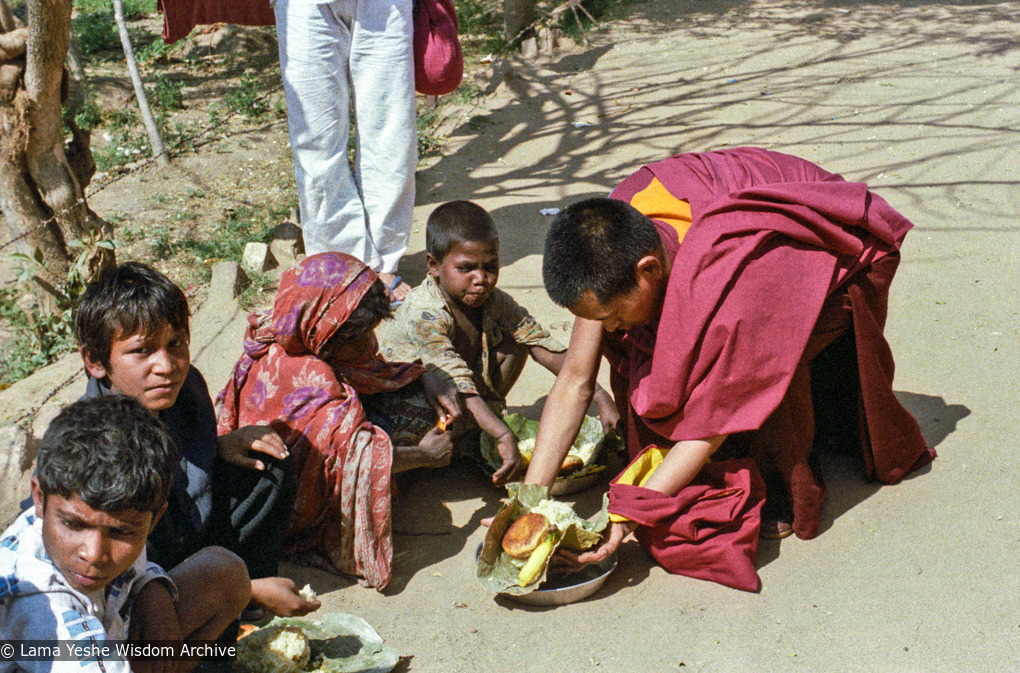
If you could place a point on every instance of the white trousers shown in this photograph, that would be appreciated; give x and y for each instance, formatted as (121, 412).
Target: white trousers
(339, 57)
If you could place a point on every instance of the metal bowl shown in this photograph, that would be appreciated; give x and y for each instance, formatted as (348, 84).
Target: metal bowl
(565, 589)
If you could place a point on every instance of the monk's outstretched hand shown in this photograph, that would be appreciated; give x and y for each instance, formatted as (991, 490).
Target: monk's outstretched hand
(617, 533)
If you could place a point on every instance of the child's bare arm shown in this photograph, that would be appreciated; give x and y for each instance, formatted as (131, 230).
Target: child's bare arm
(608, 413)
(547, 358)
(506, 442)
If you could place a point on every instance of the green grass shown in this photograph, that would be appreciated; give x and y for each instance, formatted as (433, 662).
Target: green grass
(480, 26)
(165, 94)
(132, 8)
(258, 286)
(89, 116)
(239, 227)
(37, 339)
(154, 52)
(95, 32)
(245, 99)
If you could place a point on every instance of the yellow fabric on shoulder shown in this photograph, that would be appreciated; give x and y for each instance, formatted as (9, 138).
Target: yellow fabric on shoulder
(656, 202)
(638, 472)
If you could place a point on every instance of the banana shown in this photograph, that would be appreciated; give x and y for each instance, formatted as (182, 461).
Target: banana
(533, 568)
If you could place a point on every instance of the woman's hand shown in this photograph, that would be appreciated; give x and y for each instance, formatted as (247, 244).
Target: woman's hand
(434, 450)
(512, 459)
(437, 448)
(235, 446)
(617, 533)
(443, 397)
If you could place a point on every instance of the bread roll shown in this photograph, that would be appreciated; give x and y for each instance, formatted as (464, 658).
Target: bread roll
(571, 465)
(525, 535)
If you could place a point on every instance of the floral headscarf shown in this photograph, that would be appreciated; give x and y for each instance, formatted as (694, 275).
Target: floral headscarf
(343, 462)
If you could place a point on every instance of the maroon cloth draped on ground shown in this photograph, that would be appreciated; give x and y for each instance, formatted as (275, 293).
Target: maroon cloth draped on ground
(774, 240)
(708, 531)
(181, 16)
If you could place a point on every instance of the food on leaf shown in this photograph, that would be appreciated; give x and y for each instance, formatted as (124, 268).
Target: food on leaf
(274, 649)
(583, 457)
(524, 536)
(533, 527)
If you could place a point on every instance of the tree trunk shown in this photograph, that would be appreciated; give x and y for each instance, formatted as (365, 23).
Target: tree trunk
(518, 15)
(42, 200)
(155, 141)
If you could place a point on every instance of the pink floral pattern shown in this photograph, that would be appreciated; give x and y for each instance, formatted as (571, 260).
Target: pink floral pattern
(343, 462)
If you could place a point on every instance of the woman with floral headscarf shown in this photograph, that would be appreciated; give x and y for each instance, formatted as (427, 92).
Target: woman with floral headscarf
(311, 369)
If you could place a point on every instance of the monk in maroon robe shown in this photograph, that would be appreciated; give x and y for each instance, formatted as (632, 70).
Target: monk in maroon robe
(719, 285)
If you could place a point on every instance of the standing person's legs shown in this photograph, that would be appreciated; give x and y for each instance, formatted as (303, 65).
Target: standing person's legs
(315, 43)
(382, 81)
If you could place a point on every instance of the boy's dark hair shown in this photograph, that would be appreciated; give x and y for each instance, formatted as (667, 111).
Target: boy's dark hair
(594, 246)
(458, 222)
(110, 452)
(128, 298)
(371, 310)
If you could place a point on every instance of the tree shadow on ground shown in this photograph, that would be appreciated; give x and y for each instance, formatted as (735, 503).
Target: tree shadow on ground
(583, 122)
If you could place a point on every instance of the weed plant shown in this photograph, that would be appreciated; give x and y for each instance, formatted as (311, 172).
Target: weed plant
(238, 228)
(36, 339)
(245, 99)
(40, 337)
(166, 93)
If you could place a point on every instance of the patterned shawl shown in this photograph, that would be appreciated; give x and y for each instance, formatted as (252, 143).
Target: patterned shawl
(343, 462)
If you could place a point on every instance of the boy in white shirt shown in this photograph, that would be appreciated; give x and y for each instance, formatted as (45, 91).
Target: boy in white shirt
(73, 568)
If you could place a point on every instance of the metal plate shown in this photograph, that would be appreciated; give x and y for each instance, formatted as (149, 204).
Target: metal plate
(565, 589)
(566, 486)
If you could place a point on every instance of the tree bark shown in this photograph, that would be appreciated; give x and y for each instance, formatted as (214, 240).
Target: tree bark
(41, 194)
(518, 15)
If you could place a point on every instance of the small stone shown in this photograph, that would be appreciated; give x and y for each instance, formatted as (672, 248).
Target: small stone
(288, 244)
(228, 279)
(529, 48)
(548, 40)
(257, 258)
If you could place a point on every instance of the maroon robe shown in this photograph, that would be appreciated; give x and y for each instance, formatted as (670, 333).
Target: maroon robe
(781, 258)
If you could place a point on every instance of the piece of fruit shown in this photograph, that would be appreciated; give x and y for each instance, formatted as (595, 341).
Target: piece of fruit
(533, 568)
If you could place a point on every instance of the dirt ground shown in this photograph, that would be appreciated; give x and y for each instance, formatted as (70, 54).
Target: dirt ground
(917, 99)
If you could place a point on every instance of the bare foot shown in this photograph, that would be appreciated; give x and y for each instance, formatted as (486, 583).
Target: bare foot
(398, 292)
